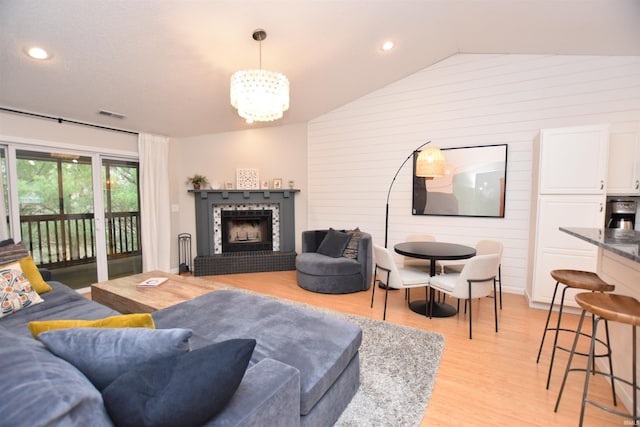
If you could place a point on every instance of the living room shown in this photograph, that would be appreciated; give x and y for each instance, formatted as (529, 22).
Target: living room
(347, 157)
(343, 159)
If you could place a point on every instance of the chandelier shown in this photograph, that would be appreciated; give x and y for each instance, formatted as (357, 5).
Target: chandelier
(259, 95)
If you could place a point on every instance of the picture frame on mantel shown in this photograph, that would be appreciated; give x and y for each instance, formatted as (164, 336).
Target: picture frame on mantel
(247, 179)
(265, 184)
(228, 185)
(277, 183)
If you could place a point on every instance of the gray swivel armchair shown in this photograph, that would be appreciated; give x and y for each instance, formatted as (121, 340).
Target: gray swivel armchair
(339, 272)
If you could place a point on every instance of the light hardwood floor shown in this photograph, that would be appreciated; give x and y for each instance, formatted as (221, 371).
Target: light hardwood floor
(490, 380)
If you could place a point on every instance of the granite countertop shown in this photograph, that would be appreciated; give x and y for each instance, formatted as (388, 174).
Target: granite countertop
(625, 243)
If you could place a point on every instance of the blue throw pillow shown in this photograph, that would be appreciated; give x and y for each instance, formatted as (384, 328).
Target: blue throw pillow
(40, 389)
(182, 390)
(334, 243)
(103, 354)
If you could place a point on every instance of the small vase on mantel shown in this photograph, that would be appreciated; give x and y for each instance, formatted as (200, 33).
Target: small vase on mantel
(196, 186)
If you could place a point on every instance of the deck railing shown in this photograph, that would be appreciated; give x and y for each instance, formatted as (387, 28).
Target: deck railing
(57, 241)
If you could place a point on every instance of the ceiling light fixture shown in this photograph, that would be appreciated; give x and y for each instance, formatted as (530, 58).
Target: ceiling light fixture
(37, 53)
(259, 95)
(388, 45)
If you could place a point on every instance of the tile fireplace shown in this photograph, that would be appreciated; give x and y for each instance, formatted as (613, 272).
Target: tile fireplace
(243, 231)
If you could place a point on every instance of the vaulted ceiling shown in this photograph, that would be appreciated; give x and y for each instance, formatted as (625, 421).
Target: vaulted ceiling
(165, 64)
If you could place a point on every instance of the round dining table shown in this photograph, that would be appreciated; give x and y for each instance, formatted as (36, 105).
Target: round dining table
(434, 251)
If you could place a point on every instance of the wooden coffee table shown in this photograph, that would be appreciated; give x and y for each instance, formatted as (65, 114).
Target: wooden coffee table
(124, 296)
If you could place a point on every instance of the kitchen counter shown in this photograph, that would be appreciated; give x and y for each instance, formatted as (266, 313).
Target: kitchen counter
(625, 243)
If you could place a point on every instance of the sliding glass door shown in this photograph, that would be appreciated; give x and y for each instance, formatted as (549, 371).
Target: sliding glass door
(122, 217)
(57, 205)
(5, 212)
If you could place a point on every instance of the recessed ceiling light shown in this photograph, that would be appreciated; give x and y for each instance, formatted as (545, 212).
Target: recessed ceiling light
(388, 45)
(37, 53)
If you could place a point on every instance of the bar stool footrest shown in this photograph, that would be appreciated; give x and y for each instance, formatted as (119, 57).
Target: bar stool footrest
(609, 409)
(584, 334)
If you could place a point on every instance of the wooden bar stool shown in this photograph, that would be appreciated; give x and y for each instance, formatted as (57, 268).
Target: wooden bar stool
(576, 279)
(616, 308)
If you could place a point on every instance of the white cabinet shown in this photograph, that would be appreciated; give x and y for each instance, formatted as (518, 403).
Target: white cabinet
(570, 167)
(573, 160)
(559, 250)
(624, 159)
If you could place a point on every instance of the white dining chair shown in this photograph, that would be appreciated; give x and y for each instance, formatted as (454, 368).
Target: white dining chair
(423, 264)
(388, 273)
(483, 247)
(476, 280)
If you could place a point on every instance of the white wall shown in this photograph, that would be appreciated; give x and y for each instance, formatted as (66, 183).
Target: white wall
(464, 100)
(277, 152)
(20, 128)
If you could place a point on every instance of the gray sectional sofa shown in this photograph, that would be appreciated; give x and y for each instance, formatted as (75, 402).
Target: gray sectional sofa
(304, 369)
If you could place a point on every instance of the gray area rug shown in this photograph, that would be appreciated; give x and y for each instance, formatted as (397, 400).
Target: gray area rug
(398, 367)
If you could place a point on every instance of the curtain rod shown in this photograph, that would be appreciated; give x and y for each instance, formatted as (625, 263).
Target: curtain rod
(61, 120)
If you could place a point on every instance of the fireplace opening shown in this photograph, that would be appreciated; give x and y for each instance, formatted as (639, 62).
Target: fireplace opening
(246, 230)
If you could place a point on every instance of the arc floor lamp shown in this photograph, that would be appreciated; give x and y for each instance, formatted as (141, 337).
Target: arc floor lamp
(429, 164)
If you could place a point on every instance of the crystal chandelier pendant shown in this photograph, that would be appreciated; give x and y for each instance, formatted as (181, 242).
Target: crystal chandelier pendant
(259, 95)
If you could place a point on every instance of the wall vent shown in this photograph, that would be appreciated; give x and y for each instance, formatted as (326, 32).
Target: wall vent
(112, 114)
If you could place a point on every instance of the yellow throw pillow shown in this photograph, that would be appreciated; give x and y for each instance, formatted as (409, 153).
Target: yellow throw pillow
(30, 269)
(138, 320)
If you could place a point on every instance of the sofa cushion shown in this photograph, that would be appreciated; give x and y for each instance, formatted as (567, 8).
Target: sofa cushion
(269, 395)
(16, 292)
(40, 389)
(321, 265)
(105, 354)
(61, 303)
(320, 346)
(7, 242)
(181, 390)
(137, 320)
(10, 252)
(334, 243)
(351, 251)
(30, 269)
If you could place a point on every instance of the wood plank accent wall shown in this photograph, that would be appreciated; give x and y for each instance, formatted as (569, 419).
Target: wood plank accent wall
(464, 100)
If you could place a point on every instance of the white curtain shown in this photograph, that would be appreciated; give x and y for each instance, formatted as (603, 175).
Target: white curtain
(4, 227)
(154, 202)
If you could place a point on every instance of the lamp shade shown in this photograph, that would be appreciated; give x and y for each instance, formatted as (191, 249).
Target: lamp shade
(430, 163)
(260, 95)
